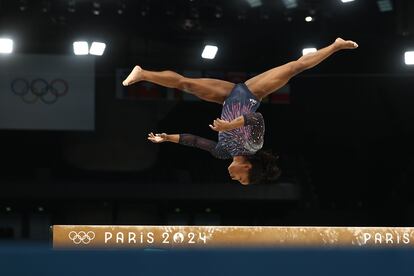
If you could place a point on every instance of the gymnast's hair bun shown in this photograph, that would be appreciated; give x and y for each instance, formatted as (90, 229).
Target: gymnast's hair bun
(264, 167)
(270, 169)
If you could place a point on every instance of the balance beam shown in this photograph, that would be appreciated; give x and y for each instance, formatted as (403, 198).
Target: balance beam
(94, 236)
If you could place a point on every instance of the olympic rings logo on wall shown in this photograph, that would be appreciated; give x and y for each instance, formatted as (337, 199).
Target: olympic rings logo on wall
(32, 91)
(81, 237)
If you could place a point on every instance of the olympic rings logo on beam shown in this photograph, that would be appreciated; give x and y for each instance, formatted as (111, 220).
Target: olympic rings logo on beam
(81, 237)
(32, 91)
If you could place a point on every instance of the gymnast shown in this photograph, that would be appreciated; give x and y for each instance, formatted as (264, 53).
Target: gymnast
(240, 128)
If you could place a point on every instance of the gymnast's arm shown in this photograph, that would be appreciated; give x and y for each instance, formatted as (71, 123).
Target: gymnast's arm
(249, 119)
(189, 140)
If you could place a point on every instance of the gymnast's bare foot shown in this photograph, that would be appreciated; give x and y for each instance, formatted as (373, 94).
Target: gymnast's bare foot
(134, 76)
(345, 44)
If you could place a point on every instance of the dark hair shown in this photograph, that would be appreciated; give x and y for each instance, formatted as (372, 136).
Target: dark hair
(264, 167)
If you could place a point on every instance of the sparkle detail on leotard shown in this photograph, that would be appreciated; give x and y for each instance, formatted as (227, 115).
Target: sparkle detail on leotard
(245, 140)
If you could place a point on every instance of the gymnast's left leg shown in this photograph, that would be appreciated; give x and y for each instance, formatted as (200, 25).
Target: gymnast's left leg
(211, 90)
(273, 79)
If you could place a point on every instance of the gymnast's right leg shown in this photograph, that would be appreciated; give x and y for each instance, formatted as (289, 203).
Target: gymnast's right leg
(273, 79)
(211, 90)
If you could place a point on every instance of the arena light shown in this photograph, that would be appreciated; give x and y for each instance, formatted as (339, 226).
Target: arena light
(96, 8)
(71, 6)
(347, 1)
(80, 48)
(409, 58)
(209, 52)
(97, 48)
(306, 51)
(385, 5)
(308, 18)
(290, 4)
(254, 3)
(6, 45)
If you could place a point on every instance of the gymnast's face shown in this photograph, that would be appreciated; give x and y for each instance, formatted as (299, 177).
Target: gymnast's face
(239, 170)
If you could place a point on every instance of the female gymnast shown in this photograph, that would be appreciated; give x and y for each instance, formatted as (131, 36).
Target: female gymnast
(240, 128)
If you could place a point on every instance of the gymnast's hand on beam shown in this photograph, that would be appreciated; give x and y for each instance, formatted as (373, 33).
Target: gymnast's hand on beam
(221, 125)
(158, 138)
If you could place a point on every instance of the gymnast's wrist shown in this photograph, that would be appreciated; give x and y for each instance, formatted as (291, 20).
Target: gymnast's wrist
(238, 122)
(173, 138)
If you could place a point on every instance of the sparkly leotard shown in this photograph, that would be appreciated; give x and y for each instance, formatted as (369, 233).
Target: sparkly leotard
(245, 140)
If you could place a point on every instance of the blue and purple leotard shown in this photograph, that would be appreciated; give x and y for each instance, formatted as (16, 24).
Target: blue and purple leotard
(246, 140)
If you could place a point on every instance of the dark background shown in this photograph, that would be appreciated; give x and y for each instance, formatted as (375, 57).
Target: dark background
(345, 139)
